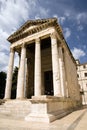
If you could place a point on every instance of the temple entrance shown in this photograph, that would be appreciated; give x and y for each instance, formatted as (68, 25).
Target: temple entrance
(48, 82)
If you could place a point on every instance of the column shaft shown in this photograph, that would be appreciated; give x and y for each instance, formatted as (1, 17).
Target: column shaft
(37, 82)
(55, 66)
(9, 75)
(62, 72)
(21, 74)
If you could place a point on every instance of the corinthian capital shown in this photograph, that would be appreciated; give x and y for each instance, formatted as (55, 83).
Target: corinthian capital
(53, 35)
(12, 50)
(37, 40)
(23, 45)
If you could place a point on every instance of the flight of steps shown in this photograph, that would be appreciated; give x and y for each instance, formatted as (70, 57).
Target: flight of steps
(15, 108)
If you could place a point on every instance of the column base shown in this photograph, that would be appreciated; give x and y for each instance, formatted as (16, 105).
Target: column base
(21, 98)
(49, 108)
(5, 98)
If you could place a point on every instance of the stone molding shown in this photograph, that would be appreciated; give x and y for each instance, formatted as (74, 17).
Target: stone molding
(43, 25)
(47, 109)
(12, 50)
(37, 40)
(23, 45)
(53, 35)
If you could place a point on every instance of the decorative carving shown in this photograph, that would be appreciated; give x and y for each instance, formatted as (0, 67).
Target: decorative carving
(12, 50)
(44, 24)
(23, 45)
(53, 35)
(37, 40)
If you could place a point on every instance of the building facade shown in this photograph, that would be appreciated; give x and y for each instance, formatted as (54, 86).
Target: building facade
(82, 79)
(47, 69)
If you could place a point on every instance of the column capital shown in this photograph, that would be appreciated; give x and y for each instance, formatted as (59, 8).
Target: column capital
(12, 50)
(37, 40)
(53, 35)
(23, 45)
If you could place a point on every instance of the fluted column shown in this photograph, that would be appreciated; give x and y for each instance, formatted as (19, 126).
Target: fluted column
(9, 75)
(19, 59)
(21, 74)
(62, 72)
(55, 66)
(37, 89)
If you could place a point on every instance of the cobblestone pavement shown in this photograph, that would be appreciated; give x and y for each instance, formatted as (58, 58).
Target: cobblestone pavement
(77, 120)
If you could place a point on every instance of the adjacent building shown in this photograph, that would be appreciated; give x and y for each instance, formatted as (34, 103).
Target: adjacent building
(82, 80)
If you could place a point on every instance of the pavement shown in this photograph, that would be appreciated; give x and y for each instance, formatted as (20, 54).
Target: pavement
(77, 120)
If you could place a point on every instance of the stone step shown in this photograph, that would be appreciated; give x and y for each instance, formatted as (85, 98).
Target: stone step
(16, 107)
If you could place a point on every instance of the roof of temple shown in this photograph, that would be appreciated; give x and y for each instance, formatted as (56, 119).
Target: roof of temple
(33, 26)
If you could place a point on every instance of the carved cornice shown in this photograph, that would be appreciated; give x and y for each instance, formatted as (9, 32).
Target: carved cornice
(59, 30)
(53, 35)
(42, 24)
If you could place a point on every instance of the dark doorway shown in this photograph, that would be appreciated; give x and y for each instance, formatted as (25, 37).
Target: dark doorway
(48, 82)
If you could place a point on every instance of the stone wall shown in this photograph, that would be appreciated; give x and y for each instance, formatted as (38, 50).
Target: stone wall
(71, 77)
(30, 75)
(49, 108)
(46, 62)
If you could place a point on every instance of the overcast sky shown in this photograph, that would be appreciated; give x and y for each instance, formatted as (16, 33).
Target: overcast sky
(71, 14)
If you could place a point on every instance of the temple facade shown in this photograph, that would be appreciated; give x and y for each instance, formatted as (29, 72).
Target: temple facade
(47, 70)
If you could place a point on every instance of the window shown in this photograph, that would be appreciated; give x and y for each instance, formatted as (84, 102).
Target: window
(84, 66)
(85, 74)
(78, 75)
(77, 68)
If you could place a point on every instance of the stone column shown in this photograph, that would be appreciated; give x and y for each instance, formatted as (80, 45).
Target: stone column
(55, 66)
(25, 82)
(62, 72)
(21, 74)
(19, 59)
(9, 75)
(37, 91)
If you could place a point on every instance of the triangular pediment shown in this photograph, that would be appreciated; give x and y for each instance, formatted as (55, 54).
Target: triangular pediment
(32, 26)
(29, 25)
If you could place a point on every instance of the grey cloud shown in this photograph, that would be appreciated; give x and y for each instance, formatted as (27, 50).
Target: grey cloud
(78, 53)
(67, 32)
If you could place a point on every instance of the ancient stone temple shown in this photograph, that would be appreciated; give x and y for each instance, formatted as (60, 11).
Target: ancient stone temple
(47, 70)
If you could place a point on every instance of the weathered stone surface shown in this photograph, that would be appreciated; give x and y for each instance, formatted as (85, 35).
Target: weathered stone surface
(49, 108)
(37, 81)
(21, 74)
(43, 49)
(30, 74)
(71, 77)
(16, 108)
(9, 75)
